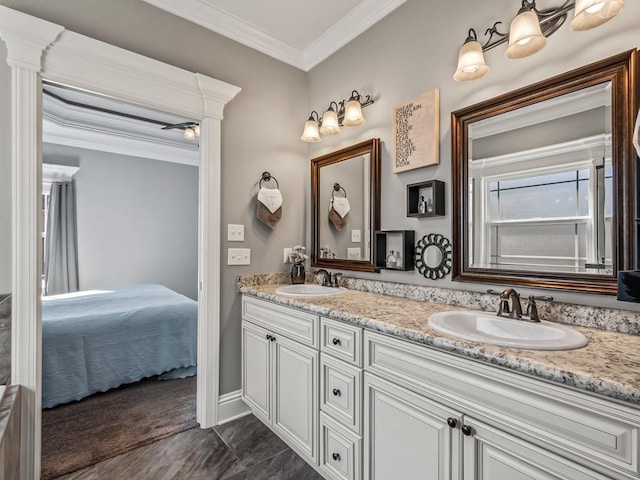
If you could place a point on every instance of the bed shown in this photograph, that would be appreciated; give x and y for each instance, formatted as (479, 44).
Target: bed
(96, 340)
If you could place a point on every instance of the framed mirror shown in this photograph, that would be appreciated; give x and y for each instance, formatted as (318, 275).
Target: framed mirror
(545, 181)
(345, 204)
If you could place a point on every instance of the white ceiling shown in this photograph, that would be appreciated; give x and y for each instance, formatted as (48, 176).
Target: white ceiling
(300, 33)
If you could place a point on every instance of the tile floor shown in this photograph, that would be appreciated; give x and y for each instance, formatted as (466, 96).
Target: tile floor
(244, 449)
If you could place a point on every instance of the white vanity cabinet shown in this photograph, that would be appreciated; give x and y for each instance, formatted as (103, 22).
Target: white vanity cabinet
(362, 405)
(340, 400)
(279, 374)
(506, 426)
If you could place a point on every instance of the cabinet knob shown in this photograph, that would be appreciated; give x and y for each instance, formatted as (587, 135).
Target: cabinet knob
(336, 341)
(452, 422)
(466, 430)
(268, 337)
(336, 457)
(273, 339)
(336, 392)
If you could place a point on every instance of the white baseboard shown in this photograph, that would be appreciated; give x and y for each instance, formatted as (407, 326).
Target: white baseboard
(231, 407)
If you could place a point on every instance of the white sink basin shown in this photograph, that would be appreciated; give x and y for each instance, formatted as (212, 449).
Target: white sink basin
(506, 332)
(309, 290)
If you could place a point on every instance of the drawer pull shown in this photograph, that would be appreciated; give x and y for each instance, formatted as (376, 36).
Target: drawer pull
(336, 392)
(466, 430)
(452, 422)
(336, 341)
(336, 457)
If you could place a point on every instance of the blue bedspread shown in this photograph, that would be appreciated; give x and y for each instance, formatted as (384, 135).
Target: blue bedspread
(96, 340)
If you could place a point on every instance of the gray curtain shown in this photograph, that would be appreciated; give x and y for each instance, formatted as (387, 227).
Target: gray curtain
(61, 249)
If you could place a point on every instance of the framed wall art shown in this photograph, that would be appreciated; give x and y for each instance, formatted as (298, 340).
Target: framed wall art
(416, 132)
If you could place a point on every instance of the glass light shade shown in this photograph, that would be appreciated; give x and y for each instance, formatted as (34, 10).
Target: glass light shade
(525, 35)
(196, 130)
(353, 114)
(330, 122)
(470, 62)
(310, 133)
(636, 135)
(589, 14)
(189, 133)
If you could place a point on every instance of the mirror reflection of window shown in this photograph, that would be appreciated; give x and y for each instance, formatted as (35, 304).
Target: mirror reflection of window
(540, 186)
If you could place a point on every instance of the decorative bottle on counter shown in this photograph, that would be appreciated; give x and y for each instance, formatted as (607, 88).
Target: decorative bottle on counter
(298, 274)
(391, 259)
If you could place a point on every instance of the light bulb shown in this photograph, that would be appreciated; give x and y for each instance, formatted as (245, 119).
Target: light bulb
(470, 60)
(592, 13)
(189, 133)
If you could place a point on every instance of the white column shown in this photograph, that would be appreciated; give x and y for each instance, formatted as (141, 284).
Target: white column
(24, 57)
(215, 95)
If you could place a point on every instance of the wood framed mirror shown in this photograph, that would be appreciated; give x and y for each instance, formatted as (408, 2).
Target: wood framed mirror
(544, 181)
(348, 177)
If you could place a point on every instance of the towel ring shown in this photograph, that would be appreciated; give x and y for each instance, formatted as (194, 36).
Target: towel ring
(267, 177)
(337, 188)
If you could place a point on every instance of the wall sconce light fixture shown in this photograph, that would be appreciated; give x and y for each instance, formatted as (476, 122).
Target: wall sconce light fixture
(529, 31)
(343, 113)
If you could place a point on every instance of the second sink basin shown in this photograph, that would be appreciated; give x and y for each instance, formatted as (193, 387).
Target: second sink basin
(506, 332)
(309, 290)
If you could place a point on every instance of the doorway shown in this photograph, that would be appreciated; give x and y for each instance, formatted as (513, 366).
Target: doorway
(39, 50)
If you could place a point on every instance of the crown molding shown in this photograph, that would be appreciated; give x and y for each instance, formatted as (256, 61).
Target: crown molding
(347, 28)
(350, 26)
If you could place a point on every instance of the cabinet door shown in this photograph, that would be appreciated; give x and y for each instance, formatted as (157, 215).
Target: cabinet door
(491, 454)
(256, 370)
(407, 436)
(295, 396)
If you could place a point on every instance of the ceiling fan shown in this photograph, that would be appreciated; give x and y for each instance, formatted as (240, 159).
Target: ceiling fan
(191, 129)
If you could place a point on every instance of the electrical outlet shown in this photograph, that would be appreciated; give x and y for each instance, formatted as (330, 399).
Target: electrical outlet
(235, 233)
(287, 252)
(355, 236)
(238, 256)
(353, 253)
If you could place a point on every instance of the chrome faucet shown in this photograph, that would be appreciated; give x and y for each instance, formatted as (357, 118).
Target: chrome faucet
(515, 310)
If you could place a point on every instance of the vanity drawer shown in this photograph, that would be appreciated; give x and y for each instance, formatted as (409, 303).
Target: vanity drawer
(341, 340)
(341, 392)
(340, 451)
(592, 431)
(294, 324)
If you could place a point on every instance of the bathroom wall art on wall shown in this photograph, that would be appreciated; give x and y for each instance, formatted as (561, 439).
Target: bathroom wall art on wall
(416, 132)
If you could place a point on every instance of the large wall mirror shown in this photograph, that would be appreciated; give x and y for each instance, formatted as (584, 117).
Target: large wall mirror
(545, 181)
(345, 202)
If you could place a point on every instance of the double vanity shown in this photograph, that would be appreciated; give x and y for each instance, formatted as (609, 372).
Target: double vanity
(363, 386)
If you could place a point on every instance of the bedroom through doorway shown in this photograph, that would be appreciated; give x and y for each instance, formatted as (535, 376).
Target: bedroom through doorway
(120, 277)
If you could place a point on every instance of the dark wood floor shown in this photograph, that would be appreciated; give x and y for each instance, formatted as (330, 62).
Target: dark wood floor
(244, 449)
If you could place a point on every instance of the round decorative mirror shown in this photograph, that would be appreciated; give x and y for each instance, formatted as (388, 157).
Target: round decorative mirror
(433, 256)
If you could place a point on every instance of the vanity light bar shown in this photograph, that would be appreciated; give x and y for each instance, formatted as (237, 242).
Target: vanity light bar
(529, 30)
(346, 113)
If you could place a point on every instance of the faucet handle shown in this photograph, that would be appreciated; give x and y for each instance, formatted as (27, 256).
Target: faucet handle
(494, 292)
(544, 298)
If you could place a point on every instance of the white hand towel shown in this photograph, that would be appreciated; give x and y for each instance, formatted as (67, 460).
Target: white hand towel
(341, 206)
(270, 198)
(636, 135)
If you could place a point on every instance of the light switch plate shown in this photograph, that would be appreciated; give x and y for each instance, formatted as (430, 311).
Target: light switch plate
(353, 253)
(238, 256)
(287, 252)
(355, 236)
(235, 233)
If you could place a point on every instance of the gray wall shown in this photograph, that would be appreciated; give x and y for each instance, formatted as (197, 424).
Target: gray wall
(260, 131)
(5, 173)
(415, 49)
(137, 220)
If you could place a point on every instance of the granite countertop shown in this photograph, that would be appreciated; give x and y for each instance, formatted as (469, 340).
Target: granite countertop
(609, 365)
